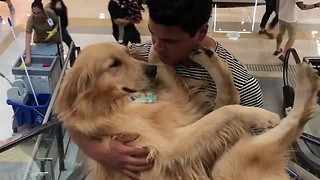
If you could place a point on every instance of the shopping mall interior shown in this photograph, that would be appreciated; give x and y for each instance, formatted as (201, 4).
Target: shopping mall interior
(234, 24)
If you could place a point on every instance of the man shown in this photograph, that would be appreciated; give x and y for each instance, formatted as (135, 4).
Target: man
(288, 18)
(271, 6)
(10, 6)
(177, 27)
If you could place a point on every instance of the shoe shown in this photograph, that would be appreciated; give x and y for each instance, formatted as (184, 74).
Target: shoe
(262, 31)
(281, 57)
(270, 35)
(277, 52)
(12, 9)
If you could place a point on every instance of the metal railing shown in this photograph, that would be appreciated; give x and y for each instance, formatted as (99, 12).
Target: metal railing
(50, 122)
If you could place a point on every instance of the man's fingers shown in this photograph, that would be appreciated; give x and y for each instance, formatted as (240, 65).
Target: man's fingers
(138, 169)
(134, 161)
(131, 174)
(138, 152)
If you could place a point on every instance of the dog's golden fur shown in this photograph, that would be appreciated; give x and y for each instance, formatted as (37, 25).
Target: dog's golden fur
(183, 139)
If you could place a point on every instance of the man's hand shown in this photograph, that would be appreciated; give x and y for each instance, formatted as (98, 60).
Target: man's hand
(51, 33)
(125, 159)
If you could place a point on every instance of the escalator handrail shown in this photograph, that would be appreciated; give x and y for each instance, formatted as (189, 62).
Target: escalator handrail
(310, 139)
(46, 125)
(286, 63)
(11, 142)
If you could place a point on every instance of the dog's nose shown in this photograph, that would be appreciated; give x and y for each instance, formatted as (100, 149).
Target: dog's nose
(151, 71)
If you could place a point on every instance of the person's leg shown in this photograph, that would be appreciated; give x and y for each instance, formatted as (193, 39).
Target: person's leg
(275, 20)
(292, 32)
(135, 36)
(10, 6)
(282, 31)
(265, 18)
(264, 21)
(121, 34)
(66, 36)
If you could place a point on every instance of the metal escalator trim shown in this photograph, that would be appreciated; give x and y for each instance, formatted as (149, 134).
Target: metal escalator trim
(311, 159)
(29, 134)
(310, 138)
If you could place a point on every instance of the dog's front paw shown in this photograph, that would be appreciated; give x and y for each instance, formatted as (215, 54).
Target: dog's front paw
(152, 155)
(203, 56)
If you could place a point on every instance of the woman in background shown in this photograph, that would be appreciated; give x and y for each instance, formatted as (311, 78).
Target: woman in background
(61, 10)
(124, 15)
(43, 23)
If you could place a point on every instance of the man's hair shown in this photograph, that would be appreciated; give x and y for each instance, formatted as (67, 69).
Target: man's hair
(188, 15)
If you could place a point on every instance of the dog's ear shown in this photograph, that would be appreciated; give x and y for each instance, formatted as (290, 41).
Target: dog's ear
(74, 84)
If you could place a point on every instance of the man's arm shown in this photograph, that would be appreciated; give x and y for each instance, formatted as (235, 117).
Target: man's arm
(303, 6)
(117, 157)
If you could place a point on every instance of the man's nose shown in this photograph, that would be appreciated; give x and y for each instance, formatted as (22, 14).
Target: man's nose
(158, 46)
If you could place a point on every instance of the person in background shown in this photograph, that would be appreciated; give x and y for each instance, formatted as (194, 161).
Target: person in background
(140, 5)
(271, 6)
(43, 23)
(10, 6)
(124, 15)
(288, 17)
(59, 7)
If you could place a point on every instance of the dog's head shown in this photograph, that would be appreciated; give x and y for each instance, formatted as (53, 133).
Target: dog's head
(101, 74)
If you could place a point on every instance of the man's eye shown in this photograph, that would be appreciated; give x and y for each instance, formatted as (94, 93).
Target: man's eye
(171, 42)
(116, 63)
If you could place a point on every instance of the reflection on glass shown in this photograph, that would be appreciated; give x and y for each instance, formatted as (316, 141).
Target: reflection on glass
(234, 19)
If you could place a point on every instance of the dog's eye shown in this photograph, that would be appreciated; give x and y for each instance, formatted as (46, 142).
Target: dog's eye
(116, 63)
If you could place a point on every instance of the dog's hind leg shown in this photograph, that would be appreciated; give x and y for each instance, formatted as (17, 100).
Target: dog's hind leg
(290, 128)
(265, 155)
(218, 69)
(208, 138)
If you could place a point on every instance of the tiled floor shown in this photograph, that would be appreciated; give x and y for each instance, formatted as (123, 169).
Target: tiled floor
(91, 24)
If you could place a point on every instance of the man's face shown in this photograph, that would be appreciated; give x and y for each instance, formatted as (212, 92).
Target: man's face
(171, 43)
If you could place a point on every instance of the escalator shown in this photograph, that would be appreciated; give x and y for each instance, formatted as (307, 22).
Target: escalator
(50, 154)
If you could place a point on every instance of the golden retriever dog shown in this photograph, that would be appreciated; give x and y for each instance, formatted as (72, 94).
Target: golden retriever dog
(109, 93)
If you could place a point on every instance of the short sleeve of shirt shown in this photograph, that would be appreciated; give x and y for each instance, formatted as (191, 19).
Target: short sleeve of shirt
(143, 48)
(114, 10)
(29, 25)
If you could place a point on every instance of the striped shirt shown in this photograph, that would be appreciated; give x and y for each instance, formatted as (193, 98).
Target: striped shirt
(247, 85)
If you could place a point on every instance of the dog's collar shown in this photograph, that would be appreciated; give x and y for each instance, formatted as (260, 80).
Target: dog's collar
(143, 97)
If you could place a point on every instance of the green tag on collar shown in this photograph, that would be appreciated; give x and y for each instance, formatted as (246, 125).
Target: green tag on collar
(143, 97)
